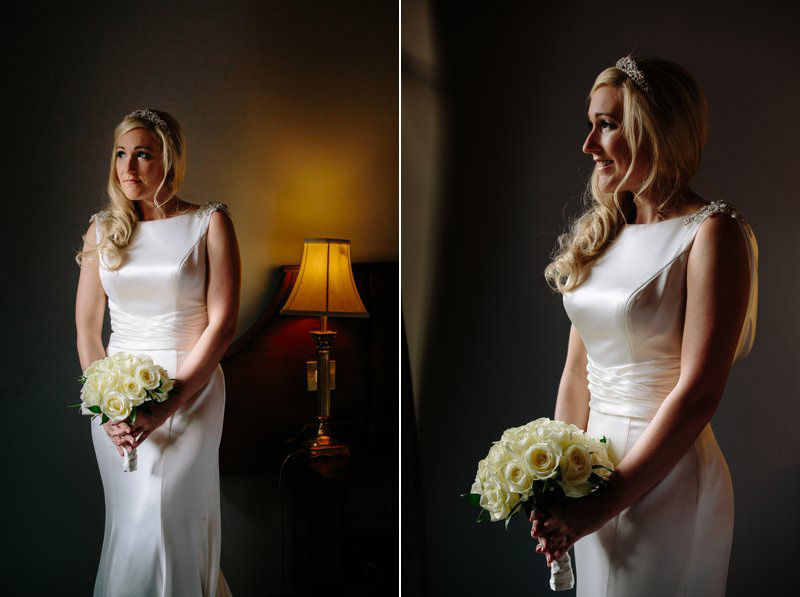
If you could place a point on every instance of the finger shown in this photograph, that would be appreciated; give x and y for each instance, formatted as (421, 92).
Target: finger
(139, 441)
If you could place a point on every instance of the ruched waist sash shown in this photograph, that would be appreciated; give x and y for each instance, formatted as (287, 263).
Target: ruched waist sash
(171, 331)
(635, 390)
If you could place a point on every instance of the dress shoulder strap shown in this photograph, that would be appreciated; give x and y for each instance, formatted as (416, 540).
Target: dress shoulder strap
(715, 207)
(210, 207)
(99, 216)
(748, 333)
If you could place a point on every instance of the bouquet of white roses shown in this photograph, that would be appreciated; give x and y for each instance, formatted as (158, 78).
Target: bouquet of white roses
(115, 387)
(538, 462)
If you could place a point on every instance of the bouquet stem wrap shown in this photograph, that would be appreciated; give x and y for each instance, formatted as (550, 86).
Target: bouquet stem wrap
(131, 460)
(561, 577)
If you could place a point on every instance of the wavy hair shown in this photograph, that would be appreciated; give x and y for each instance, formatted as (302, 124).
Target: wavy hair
(118, 218)
(671, 130)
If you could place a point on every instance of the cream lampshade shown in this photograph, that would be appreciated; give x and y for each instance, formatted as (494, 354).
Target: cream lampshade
(325, 287)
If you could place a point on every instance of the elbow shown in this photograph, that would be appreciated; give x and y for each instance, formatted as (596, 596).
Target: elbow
(225, 331)
(701, 402)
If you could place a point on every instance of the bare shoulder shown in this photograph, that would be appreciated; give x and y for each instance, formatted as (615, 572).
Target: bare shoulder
(221, 233)
(721, 234)
(220, 222)
(719, 259)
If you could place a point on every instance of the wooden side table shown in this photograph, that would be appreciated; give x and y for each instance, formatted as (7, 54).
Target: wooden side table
(344, 523)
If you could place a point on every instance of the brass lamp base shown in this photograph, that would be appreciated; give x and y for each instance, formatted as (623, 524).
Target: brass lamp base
(323, 444)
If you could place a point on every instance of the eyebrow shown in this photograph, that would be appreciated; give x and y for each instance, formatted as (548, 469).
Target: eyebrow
(596, 114)
(137, 147)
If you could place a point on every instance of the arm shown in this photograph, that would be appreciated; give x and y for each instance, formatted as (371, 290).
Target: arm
(90, 306)
(718, 279)
(572, 403)
(222, 300)
(90, 310)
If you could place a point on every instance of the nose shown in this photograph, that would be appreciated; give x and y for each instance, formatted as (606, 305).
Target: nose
(590, 144)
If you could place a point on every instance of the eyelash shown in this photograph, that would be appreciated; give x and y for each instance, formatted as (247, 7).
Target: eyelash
(603, 124)
(141, 154)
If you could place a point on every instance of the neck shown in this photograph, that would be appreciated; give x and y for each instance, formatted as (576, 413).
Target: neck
(148, 211)
(647, 206)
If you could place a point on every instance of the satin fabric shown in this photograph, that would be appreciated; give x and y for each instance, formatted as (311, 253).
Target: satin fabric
(162, 528)
(630, 314)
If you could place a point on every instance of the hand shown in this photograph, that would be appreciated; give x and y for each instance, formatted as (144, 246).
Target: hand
(120, 435)
(537, 519)
(146, 424)
(569, 521)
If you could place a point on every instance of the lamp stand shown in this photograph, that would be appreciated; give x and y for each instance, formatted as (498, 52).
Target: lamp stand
(323, 444)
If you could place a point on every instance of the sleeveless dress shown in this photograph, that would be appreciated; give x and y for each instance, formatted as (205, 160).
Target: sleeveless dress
(162, 527)
(676, 539)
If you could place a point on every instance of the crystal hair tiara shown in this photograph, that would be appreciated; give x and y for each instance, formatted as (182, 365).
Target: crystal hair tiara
(628, 66)
(150, 115)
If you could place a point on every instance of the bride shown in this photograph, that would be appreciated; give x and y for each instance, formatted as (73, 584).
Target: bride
(170, 272)
(661, 288)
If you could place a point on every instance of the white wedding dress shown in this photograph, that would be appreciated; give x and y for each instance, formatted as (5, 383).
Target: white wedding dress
(162, 526)
(629, 312)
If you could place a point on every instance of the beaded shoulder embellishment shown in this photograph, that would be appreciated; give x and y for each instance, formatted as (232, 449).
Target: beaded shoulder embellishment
(100, 215)
(209, 207)
(715, 207)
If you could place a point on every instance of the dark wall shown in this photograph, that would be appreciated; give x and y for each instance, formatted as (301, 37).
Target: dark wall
(511, 84)
(290, 114)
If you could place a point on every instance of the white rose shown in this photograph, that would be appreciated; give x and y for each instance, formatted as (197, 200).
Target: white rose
(542, 460)
(477, 486)
(144, 359)
(480, 476)
(497, 500)
(133, 390)
(576, 466)
(116, 406)
(106, 381)
(166, 383)
(89, 397)
(499, 455)
(520, 441)
(601, 457)
(147, 376)
(93, 368)
(518, 478)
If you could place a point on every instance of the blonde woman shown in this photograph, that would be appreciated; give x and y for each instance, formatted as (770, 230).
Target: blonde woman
(170, 271)
(661, 289)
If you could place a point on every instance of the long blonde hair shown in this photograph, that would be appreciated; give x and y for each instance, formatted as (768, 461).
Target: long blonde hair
(671, 128)
(118, 218)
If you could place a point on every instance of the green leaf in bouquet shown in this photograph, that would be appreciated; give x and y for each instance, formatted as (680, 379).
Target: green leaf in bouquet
(603, 440)
(594, 466)
(82, 379)
(483, 516)
(104, 420)
(133, 415)
(95, 409)
(74, 405)
(596, 479)
(514, 510)
(472, 498)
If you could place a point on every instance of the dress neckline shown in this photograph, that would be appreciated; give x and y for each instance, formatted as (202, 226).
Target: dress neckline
(186, 213)
(681, 217)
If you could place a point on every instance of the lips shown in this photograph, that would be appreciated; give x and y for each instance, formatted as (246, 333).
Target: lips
(603, 164)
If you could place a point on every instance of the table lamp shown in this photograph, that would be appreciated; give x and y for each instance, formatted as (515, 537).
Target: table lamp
(325, 287)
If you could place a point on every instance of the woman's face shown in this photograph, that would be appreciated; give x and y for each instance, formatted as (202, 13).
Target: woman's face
(139, 167)
(607, 145)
